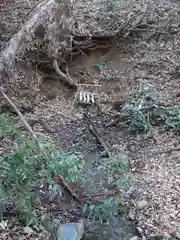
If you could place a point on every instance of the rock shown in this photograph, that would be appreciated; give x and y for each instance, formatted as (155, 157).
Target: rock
(79, 115)
(132, 215)
(139, 230)
(157, 236)
(141, 204)
(3, 225)
(28, 230)
(134, 238)
(70, 231)
(166, 234)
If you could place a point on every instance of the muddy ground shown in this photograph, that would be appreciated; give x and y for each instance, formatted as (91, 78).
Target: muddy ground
(128, 62)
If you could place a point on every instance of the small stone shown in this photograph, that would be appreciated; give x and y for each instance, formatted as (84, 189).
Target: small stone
(132, 215)
(70, 231)
(140, 231)
(167, 235)
(79, 115)
(134, 238)
(28, 230)
(143, 238)
(141, 204)
(3, 225)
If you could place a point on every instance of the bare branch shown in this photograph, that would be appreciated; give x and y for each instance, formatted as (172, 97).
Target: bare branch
(20, 115)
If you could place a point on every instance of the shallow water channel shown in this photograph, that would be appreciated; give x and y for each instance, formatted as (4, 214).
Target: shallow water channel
(118, 226)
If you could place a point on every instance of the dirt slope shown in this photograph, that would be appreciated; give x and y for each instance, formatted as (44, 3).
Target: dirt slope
(153, 58)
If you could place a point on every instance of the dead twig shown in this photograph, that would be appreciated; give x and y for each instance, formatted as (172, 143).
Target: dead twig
(82, 76)
(20, 115)
(96, 134)
(79, 88)
(114, 122)
(90, 85)
(115, 119)
(28, 2)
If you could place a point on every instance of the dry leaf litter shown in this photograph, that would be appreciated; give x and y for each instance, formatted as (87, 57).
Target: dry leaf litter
(145, 59)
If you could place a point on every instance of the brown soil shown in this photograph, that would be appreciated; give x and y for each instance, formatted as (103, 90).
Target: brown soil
(127, 64)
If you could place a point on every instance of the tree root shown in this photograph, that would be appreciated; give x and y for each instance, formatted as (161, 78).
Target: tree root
(25, 35)
(64, 77)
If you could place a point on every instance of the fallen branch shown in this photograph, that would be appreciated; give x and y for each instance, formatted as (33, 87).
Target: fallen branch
(75, 98)
(64, 77)
(59, 179)
(117, 118)
(97, 135)
(20, 115)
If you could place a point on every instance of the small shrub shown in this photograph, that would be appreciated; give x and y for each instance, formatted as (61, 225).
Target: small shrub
(116, 169)
(7, 125)
(99, 65)
(145, 111)
(26, 167)
(100, 212)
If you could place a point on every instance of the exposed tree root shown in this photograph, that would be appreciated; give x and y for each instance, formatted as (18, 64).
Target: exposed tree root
(64, 77)
(25, 35)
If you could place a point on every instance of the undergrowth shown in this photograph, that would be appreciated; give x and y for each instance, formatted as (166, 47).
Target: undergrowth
(145, 111)
(26, 167)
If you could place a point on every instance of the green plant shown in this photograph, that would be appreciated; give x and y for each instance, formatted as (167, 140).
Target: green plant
(121, 205)
(26, 167)
(7, 125)
(100, 212)
(99, 65)
(138, 112)
(116, 169)
(145, 111)
(138, 120)
(69, 165)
